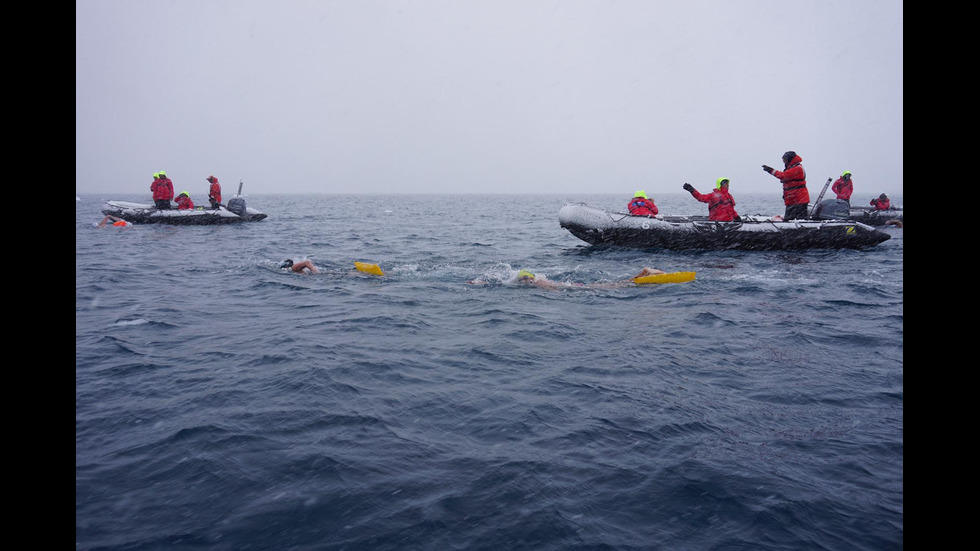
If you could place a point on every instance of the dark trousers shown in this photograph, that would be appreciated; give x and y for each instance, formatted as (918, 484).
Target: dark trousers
(795, 212)
(162, 204)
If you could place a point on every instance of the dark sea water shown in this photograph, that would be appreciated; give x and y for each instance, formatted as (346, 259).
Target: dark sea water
(221, 403)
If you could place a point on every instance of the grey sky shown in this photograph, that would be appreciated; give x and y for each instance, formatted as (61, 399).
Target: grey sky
(486, 96)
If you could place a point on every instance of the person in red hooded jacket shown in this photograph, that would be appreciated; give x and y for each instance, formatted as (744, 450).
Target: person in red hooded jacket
(795, 195)
(881, 202)
(214, 192)
(844, 187)
(184, 201)
(721, 204)
(641, 205)
(163, 190)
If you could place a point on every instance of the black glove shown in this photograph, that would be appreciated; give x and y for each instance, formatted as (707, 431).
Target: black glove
(767, 168)
(688, 187)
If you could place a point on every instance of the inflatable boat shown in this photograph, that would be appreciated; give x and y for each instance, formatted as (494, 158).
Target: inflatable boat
(146, 213)
(142, 213)
(831, 209)
(874, 217)
(602, 227)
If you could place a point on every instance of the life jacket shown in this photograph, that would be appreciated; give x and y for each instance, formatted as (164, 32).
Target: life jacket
(794, 183)
(159, 189)
(878, 204)
(642, 207)
(215, 191)
(721, 205)
(167, 188)
(843, 188)
(184, 202)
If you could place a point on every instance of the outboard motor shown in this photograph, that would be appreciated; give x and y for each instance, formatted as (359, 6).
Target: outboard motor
(831, 209)
(237, 203)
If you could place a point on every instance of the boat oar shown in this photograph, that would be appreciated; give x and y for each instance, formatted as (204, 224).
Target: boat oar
(820, 197)
(672, 277)
(368, 268)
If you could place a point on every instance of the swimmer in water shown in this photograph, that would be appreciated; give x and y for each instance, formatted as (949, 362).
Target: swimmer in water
(525, 277)
(117, 222)
(301, 267)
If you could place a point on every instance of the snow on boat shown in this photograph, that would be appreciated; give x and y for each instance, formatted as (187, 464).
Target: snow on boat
(143, 213)
(602, 227)
(146, 213)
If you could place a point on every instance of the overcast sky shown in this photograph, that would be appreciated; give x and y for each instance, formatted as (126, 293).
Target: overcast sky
(486, 96)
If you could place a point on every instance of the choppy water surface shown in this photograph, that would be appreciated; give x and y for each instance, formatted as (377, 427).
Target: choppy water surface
(224, 404)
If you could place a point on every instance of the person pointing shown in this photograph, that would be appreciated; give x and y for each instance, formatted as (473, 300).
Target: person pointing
(793, 178)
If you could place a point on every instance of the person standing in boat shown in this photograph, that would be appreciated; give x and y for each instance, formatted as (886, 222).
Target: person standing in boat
(721, 204)
(153, 187)
(214, 192)
(795, 195)
(844, 187)
(163, 190)
(184, 201)
(881, 202)
(641, 205)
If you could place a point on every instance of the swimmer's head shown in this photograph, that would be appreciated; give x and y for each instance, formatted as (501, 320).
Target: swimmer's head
(525, 275)
(288, 263)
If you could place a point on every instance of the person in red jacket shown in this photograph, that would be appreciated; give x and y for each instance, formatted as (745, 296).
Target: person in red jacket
(721, 204)
(153, 186)
(844, 187)
(184, 201)
(641, 205)
(795, 195)
(214, 193)
(163, 190)
(881, 202)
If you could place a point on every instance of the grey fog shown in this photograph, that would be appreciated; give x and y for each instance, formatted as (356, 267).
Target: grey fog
(486, 96)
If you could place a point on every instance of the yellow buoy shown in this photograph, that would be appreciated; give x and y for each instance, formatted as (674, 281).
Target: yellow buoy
(672, 277)
(369, 268)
